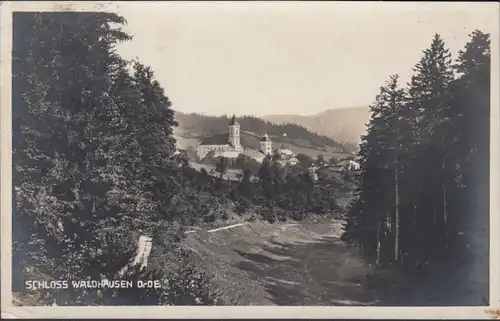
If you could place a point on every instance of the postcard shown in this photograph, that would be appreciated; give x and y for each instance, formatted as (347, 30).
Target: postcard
(250, 159)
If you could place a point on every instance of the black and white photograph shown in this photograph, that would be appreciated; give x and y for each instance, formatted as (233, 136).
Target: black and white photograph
(254, 154)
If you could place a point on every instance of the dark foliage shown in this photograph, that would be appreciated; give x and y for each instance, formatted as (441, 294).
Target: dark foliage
(423, 191)
(92, 163)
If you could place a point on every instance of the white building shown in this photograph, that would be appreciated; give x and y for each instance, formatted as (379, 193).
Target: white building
(313, 171)
(266, 146)
(287, 157)
(286, 152)
(229, 145)
(352, 166)
(348, 165)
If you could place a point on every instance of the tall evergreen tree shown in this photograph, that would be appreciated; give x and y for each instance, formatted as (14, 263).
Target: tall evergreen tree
(92, 166)
(471, 136)
(430, 98)
(423, 174)
(374, 219)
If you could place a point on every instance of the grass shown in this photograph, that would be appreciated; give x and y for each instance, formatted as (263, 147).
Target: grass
(283, 264)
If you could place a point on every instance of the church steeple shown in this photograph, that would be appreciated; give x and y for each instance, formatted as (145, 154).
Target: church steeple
(233, 121)
(234, 133)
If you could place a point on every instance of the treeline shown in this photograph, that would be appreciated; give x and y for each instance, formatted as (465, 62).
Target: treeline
(267, 191)
(281, 192)
(243, 162)
(423, 191)
(203, 125)
(92, 169)
(274, 192)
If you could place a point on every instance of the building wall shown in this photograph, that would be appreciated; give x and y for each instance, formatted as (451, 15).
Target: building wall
(234, 135)
(228, 154)
(203, 150)
(266, 147)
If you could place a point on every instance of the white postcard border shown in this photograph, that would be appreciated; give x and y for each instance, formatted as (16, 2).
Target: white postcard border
(9, 311)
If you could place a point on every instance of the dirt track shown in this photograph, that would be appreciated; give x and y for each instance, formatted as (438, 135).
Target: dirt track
(307, 264)
(284, 264)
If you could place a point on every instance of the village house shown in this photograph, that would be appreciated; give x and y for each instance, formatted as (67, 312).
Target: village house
(347, 165)
(286, 157)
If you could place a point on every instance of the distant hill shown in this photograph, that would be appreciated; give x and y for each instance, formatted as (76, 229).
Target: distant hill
(193, 127)
(345, 124)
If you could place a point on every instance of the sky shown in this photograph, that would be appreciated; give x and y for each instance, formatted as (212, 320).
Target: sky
(302, 58)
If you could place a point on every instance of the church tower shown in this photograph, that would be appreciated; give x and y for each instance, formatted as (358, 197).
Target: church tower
(234, 133)
(266, 145)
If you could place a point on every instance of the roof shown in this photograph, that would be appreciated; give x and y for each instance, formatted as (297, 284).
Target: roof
(230, 174)
(249, 140)
(265, 138)
(252, 153)
(346, 162)
(287, 157)
(352, 163)
(285, 151)
(233, 121)
(218, 139)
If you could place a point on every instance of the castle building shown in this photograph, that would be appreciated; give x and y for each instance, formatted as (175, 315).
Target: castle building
(229, 144)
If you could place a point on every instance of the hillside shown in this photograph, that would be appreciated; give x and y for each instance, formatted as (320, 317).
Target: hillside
(284, 264)
(345, 124)
(193, 127)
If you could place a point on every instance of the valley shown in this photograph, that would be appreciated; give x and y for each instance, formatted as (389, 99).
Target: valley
(283, 264)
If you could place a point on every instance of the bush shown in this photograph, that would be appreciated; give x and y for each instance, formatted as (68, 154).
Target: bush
(209, 218)
(242, 206)
(271, 218)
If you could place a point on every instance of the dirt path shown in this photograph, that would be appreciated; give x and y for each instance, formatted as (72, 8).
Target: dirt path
(283, 264)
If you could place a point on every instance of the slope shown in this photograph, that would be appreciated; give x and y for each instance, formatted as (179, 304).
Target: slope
(193, 127)
(345, 124)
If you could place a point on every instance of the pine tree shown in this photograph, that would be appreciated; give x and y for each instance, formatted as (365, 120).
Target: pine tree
(430, 98)
(221, 166)
(470, 146)
(374, 218)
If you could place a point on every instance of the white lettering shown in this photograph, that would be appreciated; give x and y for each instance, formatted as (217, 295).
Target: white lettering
(54, 284)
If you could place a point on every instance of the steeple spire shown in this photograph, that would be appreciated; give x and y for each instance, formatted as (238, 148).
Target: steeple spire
(233, 121)
(265, 138)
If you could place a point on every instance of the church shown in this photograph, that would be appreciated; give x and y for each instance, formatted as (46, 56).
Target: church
(229, 145)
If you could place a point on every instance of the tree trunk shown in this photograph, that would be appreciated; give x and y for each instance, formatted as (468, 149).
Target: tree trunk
(434, 218)
(377, 261)
(445, 201)
(443, 186)
(396, 228)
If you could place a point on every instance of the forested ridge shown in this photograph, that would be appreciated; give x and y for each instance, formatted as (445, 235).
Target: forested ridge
(423, 193)
(94, 168)
(203, 125)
